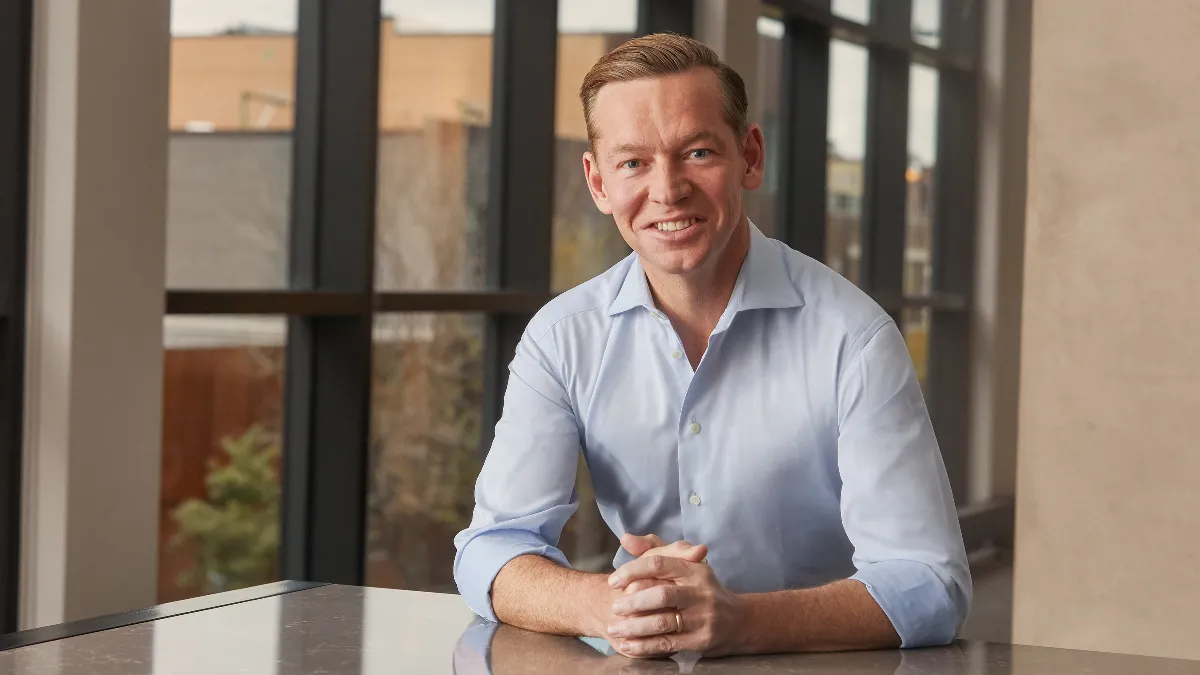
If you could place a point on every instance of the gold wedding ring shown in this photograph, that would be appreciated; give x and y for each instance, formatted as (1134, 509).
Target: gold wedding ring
(678, 622)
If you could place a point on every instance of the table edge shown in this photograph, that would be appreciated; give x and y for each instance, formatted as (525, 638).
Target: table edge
(97, 624)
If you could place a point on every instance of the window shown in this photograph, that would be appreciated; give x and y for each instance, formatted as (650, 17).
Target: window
(426, 402)
(232, 105)
(898, 78)
(231, 116)
(847, 138)
(762, 204)
(920, 178)
(222, 435)
(410, 193)
(435, 86)
(927, 22)
(355, 252)
(586, 242)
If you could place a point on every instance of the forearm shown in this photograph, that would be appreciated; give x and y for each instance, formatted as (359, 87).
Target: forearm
(537, 594)
(835, 617)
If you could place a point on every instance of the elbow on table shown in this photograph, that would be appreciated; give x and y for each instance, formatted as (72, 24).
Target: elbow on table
(926, 606)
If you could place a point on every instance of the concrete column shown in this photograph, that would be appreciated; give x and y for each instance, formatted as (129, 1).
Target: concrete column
(1108, 513)
(98, 214)
(1000, 248)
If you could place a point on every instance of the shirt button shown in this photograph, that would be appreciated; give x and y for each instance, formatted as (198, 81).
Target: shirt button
(677, 354)
(695, 428)
(694, 499)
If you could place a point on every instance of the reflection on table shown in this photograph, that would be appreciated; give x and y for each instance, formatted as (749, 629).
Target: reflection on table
(346, 630)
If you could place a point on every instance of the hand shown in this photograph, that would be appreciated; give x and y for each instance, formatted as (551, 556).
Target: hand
(646, 620)
(640, 546)
(513, 651)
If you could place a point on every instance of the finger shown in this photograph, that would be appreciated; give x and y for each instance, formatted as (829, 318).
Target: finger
(659, 645)
(643, 584)
(667, 596)
(647, 625)
(681, 550)
(650, 567)
(637, 545)
(694, 553)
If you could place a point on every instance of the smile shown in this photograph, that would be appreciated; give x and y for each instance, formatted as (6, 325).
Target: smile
(674, 225)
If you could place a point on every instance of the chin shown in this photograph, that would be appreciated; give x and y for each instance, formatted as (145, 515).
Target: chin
(673, 264)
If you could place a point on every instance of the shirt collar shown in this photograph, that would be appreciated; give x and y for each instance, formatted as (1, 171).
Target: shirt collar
(764, 282)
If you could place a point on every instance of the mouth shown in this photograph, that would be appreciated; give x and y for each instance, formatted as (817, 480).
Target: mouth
(675, 225)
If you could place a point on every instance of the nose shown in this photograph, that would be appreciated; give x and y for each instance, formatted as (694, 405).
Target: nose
(669, 184)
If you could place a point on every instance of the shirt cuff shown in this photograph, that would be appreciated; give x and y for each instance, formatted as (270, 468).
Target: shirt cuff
(480, 559)
(915, 600)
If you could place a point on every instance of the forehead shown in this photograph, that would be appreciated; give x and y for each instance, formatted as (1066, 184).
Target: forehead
(658, 110)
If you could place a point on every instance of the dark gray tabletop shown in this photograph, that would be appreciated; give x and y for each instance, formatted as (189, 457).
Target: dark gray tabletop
(342, 630)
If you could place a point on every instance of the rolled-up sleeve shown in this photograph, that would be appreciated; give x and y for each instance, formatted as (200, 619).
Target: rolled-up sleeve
(896, 503)
(525, 492)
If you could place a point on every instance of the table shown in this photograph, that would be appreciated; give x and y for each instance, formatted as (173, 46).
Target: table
(301, 628)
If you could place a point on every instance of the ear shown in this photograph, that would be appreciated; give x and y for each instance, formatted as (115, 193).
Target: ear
(754, 153)
(595, 183)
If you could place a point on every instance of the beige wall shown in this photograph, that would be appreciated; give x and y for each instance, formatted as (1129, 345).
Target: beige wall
(93, 424)
(1108, 513)
(248, 81)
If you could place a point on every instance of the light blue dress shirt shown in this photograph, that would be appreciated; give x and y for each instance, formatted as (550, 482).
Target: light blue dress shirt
(799, 451)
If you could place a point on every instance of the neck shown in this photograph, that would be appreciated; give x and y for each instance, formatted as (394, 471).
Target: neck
(695, 302)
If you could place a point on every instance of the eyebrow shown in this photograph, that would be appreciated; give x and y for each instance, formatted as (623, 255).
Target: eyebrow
(634, 148)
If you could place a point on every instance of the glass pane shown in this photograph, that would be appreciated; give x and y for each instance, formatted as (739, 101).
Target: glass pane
(761, 203)
(927, 22)
(222, 420)
(435, 92)
(921, 179)
(916, 325)
(586, 242)
(425, 457)
(232, 85)
(427, 401)
(847, 138)
(855, 10)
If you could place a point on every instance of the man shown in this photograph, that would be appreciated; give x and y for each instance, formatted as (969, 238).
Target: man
(730, 395)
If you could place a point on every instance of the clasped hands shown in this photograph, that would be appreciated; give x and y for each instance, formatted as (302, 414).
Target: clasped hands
(669, 600)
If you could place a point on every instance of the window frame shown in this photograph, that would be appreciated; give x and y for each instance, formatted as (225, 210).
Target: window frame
(810, 25)
(331, 300)
(16, 41)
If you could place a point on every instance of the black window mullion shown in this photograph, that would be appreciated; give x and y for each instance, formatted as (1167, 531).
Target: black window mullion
(666, 16)
(521, 178)
(954, 232)
(16, 39)
(805, 113)
(885, 190)
(328, 379)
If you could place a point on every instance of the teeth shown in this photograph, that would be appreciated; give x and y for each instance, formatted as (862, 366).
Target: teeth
(673, 225)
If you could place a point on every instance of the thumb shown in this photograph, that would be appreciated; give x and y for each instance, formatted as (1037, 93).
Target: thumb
(637, 544)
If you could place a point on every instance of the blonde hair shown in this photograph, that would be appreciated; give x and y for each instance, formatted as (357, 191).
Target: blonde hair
(661, 54)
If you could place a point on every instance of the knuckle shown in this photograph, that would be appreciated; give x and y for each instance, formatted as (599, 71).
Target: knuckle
(662, 645)
(660, 623)
(657, 563)
(662, 595)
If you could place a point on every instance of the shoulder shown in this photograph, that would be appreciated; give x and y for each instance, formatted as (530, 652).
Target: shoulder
(831, 301)
(583, 305)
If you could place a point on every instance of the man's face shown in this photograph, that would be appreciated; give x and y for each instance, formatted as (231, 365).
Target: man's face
(670, 170)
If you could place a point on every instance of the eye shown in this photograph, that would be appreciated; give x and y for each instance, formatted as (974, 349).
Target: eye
(700, 153)
(631, 164)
